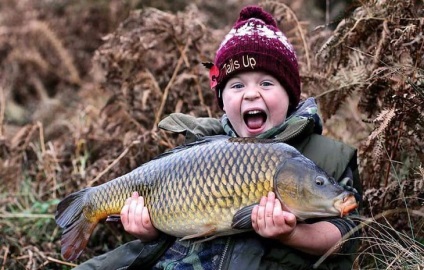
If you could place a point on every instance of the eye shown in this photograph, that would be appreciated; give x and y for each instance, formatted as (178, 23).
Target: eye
(319, 181)
(237, 85)
(267, 83)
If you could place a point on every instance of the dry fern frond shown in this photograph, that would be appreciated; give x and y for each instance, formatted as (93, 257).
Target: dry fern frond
(295, 30)
(42, 30)
(377, 54)
(380, 39)
(29, 56)
(151, 67)
(138, 68)
(383, 120)
(342, 85)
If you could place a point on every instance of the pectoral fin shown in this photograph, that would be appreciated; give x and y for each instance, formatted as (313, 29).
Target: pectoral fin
(242, 220)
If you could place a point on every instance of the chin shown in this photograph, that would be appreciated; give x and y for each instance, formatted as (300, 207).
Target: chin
(254, 133)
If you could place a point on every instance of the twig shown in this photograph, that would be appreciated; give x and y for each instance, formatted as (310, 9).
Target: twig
(392, 154)
(2, 110)
(199, 91)
(30, 259)
(168, 86)
(348, 86)
(156, 87)
(417, 89)
(41, 131)
(61, 262)
(299, 28)
(22, 215)
(6, 252)
(113, 163)
(383, 39)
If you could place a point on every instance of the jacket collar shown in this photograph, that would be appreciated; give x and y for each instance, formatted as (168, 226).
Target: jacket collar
(305, 115)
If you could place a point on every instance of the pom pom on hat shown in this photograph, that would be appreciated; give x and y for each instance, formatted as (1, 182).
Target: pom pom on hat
(256, 12)
(256, 44)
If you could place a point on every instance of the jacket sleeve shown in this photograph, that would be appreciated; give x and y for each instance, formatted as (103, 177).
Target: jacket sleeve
(348, 226)
(339, 161)
(191, 127)
(131, 255)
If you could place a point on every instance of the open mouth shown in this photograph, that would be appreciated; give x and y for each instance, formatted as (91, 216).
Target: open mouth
(254, 119)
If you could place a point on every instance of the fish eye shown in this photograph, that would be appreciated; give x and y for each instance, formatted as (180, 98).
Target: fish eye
(319, 180)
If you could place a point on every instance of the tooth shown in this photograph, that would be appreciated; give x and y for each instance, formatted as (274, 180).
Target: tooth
(254, 112)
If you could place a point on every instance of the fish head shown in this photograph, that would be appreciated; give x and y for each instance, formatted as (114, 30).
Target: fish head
(308, 192)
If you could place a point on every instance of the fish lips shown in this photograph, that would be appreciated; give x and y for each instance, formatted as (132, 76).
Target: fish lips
(345, 203)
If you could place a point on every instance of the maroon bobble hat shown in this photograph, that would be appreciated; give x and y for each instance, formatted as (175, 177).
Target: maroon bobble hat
(256, 44)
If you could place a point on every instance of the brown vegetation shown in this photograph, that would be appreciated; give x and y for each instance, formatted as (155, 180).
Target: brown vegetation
(83, 86)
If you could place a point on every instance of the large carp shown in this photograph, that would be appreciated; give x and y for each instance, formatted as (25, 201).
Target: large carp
(207, 189)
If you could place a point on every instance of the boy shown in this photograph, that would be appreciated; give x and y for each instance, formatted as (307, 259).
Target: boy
(256, 80)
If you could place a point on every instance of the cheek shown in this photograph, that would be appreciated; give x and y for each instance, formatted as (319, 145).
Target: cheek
(230, 103)
(278, 106)
(277, 103)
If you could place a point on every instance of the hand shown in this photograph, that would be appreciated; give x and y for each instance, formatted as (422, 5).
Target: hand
(269, 220)
(136, 219)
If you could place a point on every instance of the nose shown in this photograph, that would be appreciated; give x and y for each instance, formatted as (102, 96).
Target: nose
(251, 93)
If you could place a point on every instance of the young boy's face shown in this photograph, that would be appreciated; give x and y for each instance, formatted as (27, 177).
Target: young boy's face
(254, 102)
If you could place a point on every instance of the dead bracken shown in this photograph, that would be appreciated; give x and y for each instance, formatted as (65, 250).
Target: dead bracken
(84, 84)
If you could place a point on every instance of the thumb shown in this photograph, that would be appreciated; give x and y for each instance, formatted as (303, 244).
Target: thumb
(290, 218)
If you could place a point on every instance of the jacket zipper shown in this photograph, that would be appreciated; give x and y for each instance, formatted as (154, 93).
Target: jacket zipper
(298, 131)
(225, 257)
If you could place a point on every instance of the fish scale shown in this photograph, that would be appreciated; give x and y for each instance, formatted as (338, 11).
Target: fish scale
(222, 198)
(206, 189)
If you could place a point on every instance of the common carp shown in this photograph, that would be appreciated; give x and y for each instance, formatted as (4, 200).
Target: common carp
(207, 189)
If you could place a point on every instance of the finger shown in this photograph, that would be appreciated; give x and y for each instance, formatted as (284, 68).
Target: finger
(124, 212)
(255, 217)
(278, 214)
(290, 219)
(132, 207)
(139, 212)
(145, 219)
(269, 209)
(271, 195)
(132, 210)
(261, 213)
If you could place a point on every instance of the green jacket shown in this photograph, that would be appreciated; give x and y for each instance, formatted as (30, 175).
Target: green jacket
(248, 250)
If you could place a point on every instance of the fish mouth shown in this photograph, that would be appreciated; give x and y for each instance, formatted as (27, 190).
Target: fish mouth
(255, 119)
(346, 205)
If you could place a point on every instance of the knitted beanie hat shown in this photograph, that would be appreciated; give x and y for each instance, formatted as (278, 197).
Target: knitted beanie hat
(256, 44)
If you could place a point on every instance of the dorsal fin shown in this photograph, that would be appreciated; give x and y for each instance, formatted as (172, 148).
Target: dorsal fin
(204, 140)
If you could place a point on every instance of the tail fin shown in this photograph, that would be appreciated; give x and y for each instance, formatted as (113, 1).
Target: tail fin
(77, 228)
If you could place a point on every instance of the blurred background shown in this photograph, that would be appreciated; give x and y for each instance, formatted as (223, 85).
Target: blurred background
(83, 85)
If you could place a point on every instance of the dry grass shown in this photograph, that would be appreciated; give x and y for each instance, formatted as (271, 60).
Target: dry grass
(385, 247)
(80, 100)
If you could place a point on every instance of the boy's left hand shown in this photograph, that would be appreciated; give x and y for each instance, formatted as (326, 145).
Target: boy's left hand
(269, 220)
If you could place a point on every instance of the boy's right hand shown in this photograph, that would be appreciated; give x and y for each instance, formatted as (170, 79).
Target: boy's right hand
(136, 219)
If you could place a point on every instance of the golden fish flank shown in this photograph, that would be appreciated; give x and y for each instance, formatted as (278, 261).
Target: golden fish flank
(206, 189)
